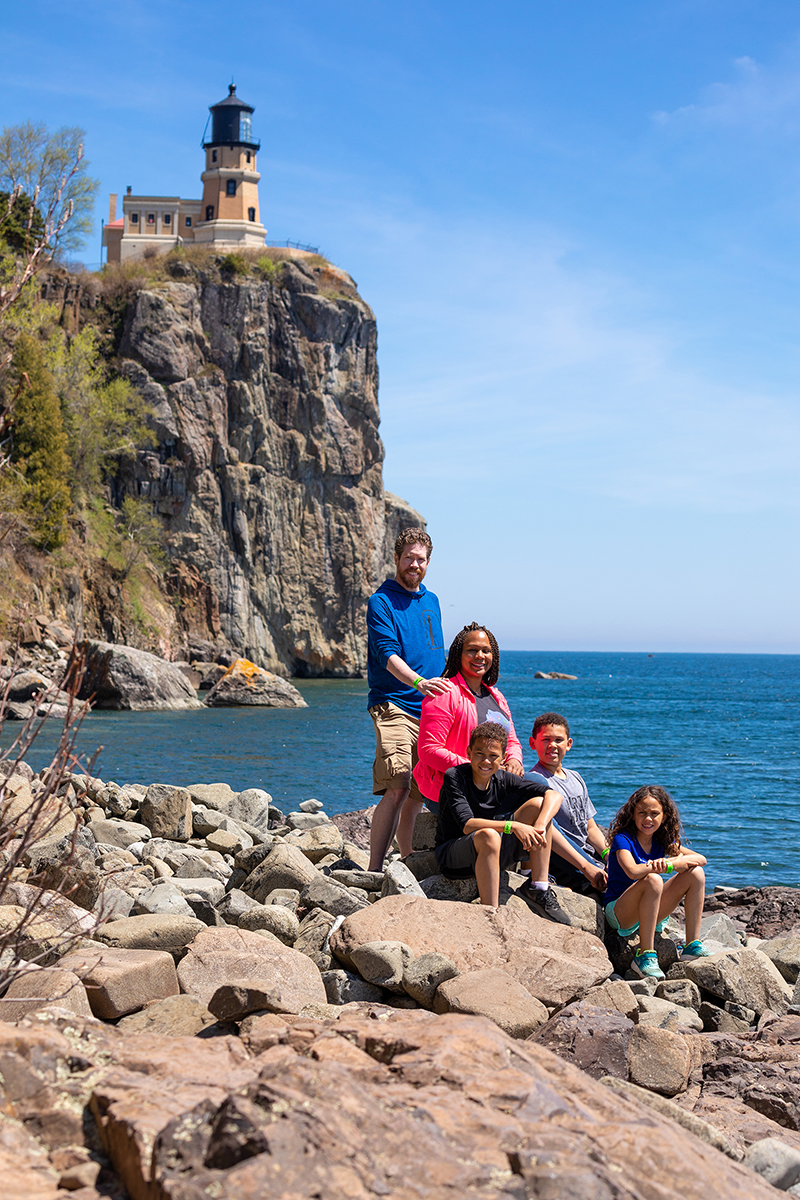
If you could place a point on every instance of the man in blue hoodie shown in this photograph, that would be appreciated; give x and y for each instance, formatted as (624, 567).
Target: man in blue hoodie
(405, 659)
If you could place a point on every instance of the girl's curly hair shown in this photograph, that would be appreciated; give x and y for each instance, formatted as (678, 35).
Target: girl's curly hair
(453, 664)
(669, 832)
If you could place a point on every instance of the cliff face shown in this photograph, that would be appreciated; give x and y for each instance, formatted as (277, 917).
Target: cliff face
(267, 471)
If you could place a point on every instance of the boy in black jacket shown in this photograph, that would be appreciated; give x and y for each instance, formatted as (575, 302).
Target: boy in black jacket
(489, 819)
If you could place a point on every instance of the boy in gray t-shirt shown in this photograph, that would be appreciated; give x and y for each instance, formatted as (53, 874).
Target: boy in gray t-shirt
(578, 842)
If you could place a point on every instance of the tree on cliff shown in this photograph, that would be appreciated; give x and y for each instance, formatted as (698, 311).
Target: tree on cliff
(105, 420)
(51, 170)
(39, 446)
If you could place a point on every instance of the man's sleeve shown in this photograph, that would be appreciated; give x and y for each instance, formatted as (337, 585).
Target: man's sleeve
(454, 798)
(382, 630)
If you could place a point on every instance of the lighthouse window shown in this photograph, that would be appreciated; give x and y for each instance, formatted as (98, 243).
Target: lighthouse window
(245, 127)
(213, 156)
(188, 222)
(248, 156)
(134, 218)
(167, 218)
(251, 214)
(209, 212)
(230, 187)
(151, 218)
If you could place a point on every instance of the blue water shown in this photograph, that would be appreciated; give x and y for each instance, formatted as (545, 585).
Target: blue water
(720, 731)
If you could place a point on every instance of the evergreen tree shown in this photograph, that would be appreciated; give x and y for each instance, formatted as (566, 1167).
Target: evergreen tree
(39, 444)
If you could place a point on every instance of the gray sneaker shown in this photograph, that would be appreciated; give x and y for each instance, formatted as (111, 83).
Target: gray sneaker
(544, 903)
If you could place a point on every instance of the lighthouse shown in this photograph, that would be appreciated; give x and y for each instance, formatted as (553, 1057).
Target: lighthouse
(226, 218)
(229, 210)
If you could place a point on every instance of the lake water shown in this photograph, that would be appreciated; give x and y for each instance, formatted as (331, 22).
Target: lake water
(719, 731)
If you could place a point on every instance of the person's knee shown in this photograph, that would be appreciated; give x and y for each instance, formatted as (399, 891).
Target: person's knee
(698, 879)
(654, 883)
(487, 841)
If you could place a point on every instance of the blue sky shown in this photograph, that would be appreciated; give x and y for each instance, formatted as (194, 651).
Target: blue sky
(579, 228)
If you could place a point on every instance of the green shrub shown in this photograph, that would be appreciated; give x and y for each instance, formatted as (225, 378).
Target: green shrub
(234, 264)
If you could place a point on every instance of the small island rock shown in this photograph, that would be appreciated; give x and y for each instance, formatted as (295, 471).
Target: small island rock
(245, 683)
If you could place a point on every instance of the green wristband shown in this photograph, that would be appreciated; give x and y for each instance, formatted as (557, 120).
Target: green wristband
(507, 827)
(670, 868)
(417, 681)
(604, 854)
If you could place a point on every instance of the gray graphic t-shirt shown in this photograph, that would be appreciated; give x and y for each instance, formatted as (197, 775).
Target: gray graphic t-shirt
(576, 807)
(490, 710)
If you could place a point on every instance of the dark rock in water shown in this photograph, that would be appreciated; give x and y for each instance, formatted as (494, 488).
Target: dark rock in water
(552, 675)
(121, 677)
(246, 684)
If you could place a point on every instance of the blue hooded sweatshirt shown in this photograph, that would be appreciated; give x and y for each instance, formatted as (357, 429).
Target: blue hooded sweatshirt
(408, 624)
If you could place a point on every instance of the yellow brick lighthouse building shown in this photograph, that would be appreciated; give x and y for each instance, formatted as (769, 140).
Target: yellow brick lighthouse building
(227, 216)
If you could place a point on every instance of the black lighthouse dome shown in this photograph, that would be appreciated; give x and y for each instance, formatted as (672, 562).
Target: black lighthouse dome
(231, 121)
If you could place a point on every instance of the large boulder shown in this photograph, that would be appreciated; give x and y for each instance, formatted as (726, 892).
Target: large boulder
(744, 976)
(167, 812)
(120, 981)
(217, 956)
(246, 684)
(554, 962)
(595, 1039)
(494, 994)
(284, 867)
(122, 677)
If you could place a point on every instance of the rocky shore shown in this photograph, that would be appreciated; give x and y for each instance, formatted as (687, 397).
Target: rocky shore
(210, 997)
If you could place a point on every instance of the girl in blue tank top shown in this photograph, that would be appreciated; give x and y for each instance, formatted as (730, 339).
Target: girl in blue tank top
(645, 843)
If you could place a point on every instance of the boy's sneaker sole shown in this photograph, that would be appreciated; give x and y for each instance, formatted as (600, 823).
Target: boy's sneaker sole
(544, 902)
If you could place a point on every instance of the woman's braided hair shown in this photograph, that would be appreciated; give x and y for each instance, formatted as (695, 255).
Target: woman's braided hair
(453, 664)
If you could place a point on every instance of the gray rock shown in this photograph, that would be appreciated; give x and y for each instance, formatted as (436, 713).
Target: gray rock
(663, 1014)
(439, 887)
(424, 835)
(595, 1039)
(237, 998)
(167, 812)
(284, 867)
(718, 928)
(274, 917)
(206, 888)
(252, 808)
(616, 995)
(423, 975)
(330, 896)
(151, 932)
(775, 1161)
(494, 994)
(116, 832)
(369, 881)
(383, 963)
(245, 684)
(306, 820)
(784, 952)
(248, 860)
(659, 1060)
(718, 1020)
(212, 795)
(310, 806)
(317, 843)
(744, 976)
(398, 881)
(312, 938)
(342, 988)
(113, 903)
(680, 991)
(422, 864)
(121, 677)
(233, 904)
(286, 897)
(164, 898)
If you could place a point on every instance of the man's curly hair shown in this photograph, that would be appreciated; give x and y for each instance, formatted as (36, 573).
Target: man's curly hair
(412, 537)
(453, 664)
(668, 833)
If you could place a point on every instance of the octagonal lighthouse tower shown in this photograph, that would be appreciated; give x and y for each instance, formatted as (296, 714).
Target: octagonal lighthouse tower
(229, 208)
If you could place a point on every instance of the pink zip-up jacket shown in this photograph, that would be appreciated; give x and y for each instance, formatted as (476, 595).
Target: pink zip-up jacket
(444, 729)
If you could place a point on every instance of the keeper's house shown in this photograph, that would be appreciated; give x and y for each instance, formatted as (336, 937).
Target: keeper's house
(226, 217)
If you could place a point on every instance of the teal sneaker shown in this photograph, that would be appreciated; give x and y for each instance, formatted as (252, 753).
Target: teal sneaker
(695, 949)
(645, 963)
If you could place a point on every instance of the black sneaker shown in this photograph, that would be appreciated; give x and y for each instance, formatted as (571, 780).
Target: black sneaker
(544, 903)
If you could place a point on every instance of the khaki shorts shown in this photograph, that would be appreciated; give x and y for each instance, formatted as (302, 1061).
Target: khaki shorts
(396, 734)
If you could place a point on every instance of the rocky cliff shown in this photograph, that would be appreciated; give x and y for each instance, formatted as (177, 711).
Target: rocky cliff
(267, 468)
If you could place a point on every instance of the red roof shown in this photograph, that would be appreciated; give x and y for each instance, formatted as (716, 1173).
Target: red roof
(116, 224)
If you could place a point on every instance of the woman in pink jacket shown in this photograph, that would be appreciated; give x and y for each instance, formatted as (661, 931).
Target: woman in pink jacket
(473, 663)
